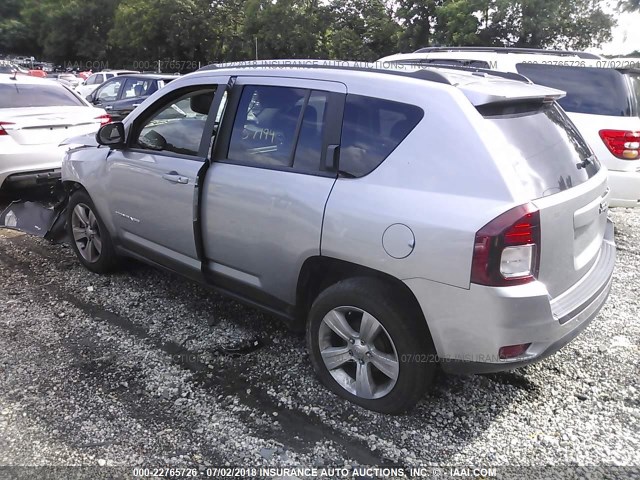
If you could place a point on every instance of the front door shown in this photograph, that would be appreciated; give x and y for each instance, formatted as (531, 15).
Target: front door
(153, 180)
(266, 191)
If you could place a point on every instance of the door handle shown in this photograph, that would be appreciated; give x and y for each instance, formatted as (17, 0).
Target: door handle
(136, 105)
(174, 177)
(108, 107)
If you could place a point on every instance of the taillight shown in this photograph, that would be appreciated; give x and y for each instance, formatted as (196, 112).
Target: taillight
(2, 130)
(104, 119)
(507, 249)
(623, 144)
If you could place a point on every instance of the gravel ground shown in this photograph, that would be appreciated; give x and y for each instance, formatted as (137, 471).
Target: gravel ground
(139, 368)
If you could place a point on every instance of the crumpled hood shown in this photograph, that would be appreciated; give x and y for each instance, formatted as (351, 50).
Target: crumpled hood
(87, 140)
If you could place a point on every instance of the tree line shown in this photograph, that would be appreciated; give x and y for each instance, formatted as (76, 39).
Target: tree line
(121, 33)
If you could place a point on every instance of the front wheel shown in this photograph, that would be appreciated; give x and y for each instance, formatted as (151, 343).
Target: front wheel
(368, 345)
(89, 236)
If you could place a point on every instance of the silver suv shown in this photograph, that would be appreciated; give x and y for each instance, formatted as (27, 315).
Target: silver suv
(409, 218)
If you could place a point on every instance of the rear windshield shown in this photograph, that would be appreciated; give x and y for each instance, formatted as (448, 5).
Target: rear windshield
(20, 95)
(548, 153)
(598, 91)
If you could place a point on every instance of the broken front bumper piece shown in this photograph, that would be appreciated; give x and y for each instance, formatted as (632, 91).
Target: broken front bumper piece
(36, 218)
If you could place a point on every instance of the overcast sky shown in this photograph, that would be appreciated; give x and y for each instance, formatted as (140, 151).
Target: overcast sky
(626, 36)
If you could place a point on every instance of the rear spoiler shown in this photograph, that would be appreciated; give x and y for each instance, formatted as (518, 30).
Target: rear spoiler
(504, 91)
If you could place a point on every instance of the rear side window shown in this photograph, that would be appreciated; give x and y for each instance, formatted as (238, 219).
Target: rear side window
(585, 87)
(136, 87)
(264, 131)
(371, 129)
(20, 95)
(546, 149)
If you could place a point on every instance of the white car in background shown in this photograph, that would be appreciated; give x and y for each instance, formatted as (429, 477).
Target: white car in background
(36, 115)
(603, 99)
(96, 79)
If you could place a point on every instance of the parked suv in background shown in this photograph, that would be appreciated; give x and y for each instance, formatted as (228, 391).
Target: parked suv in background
(97, 79)
(120, 95)
(403, 216)
(603, 100)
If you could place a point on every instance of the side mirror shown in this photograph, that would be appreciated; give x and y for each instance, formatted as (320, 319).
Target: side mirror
(111, 135)
(89, 98)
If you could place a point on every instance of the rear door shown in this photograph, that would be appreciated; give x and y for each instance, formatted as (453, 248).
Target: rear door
(108, 93)
(153, 181)
(134, 91)
(265, 194)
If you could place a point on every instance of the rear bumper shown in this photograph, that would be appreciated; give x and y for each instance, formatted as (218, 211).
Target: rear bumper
(468, 327)
(32, 179)
(27, 165)
(625, 188)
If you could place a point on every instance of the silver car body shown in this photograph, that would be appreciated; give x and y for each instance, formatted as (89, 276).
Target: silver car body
(448, 178)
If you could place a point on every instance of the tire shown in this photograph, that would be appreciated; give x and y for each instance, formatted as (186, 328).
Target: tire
(368, 351)
(93, 245)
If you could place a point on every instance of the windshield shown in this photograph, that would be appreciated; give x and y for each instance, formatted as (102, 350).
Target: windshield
(585, 87)
(21, 95)
(543, 146)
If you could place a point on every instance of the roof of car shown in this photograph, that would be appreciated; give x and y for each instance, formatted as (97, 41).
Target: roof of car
(504, 50)
(479, 85)
(11, 78)
(153, 76)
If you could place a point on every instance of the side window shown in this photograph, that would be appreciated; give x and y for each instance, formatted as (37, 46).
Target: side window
(99, 79)
(178, 125)
(109, 92)
(310, 141)
(91, 80)
(265, 127)
(371, 129)
(136, 87)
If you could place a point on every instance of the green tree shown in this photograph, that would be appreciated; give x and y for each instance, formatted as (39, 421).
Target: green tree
(174, 32)
(361, 30)
(285, 28)
(69, 31)
(15, 35)
(457, 22)
(417, 18)
(629, 6)
(574, 24)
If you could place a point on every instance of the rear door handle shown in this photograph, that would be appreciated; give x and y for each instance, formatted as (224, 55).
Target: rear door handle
(174, 177)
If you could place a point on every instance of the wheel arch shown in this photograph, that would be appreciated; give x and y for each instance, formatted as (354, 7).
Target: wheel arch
(319, 272)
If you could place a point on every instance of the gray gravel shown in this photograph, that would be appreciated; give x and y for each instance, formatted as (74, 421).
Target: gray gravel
(134, 369)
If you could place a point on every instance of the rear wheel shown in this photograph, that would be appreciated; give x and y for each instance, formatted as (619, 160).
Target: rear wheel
(368, 345)
(89, 236)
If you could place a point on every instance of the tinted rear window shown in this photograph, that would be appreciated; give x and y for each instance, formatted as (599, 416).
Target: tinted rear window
(36, 95)
(371, 129)
(547, 151)
(599, 91)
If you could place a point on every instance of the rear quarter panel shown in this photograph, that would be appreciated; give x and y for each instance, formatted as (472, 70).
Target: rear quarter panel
(442, 182)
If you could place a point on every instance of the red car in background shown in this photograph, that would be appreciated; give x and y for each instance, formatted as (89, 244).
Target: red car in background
(6, 67)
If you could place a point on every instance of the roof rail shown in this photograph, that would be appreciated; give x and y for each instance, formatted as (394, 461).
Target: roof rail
(465, 68)
(421, 74)
(537, 51)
